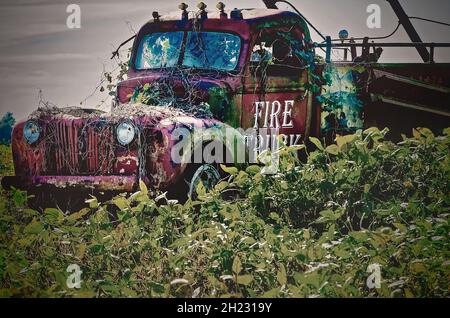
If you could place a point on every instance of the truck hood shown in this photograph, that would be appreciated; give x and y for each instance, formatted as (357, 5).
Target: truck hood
(171, 87)
(140, 114)
(78, 142)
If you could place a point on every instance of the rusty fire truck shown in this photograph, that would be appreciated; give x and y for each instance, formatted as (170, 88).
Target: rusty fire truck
(240, 68)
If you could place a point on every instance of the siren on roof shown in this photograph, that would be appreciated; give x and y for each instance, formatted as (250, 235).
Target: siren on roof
(236, 14)
(343, 35)
(184, 14)
(221, 8)
(203, 14)
(156, 16)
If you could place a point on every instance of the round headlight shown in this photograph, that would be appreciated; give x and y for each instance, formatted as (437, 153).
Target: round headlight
(125, 133)
(31, 132)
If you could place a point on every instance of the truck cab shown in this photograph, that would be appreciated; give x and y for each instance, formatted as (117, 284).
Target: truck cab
(250, 66)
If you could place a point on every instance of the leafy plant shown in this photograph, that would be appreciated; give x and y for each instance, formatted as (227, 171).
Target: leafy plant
(312, 230)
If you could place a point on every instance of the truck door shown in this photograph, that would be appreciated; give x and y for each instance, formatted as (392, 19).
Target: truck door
(274, 86)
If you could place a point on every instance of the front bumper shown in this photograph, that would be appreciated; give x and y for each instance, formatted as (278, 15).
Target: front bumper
(94, 183)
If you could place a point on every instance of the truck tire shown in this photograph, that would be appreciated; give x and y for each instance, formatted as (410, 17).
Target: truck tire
(209, 174)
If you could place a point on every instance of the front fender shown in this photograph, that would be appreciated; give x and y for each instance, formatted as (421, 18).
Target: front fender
(188, 140)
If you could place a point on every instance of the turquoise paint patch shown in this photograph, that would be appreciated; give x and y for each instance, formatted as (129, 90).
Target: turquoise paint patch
(342, 108)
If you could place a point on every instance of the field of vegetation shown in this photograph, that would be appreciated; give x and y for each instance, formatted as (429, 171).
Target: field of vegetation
(315, 229)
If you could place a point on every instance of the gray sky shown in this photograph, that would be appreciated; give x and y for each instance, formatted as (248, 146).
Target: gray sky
(38, 51)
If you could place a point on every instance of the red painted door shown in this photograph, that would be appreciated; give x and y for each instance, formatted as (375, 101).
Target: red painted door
(274, 88)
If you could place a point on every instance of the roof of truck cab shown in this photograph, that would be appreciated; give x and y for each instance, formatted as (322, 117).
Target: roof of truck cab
(251, 19)
(249, 15)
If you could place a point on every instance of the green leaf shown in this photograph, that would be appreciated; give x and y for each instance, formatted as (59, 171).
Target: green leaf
(200, 189)
(332, 149)
(297, 147)
(157, 288)
(274, 216)
(408, 293)
(244, 279)
(401, 227)
(96, 248)
(281, 275)
(316, 142)
(306, 234)
(78, 215)
(121, 203)
(237, 266)
(35, 227)
(329, 215)
(230, 170)
(331, 231)
(343, 140)
(253, 169)
(143, 187)
(373, 130)
(418, 267)
(221, 186)
(30, 212)
(93, 202)
(340, 252)
(19, 198)
(359, 236)
(274, 292)
(81, 249)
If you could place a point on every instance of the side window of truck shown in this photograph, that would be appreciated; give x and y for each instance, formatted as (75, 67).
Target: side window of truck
(274, 53)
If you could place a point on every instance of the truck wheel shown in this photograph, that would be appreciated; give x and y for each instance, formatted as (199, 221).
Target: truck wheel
(185, 188)
(207, 174)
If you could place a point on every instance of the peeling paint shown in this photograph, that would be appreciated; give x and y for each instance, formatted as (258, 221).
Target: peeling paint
(342, 107)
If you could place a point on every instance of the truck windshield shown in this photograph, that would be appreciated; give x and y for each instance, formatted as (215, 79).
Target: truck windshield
(212, 50)
(158, 50)
(204, 50)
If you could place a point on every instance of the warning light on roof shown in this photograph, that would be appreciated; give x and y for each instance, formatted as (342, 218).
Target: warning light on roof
(221, 8)
(203, 13)
(156, 16)
(343, 35)
(184, 14)
(236, 14)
